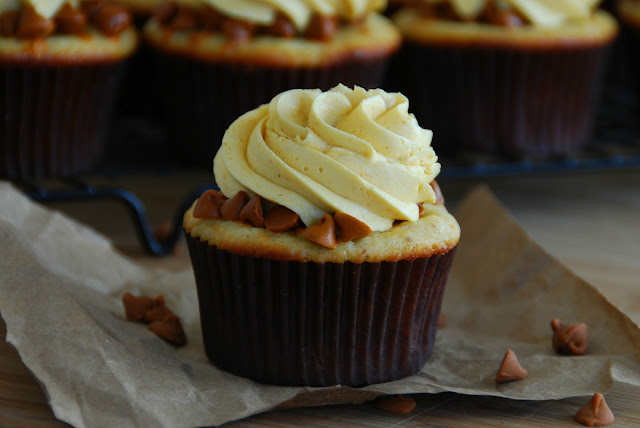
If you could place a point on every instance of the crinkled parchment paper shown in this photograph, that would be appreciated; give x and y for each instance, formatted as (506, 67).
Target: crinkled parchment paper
(60, 295)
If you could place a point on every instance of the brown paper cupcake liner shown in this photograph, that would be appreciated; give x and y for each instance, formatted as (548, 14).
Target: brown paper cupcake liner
(293, 323)
(523, 104)
(202, 99)
(53, 119)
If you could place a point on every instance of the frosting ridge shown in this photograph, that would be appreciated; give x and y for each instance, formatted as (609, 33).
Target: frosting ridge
(345, 150)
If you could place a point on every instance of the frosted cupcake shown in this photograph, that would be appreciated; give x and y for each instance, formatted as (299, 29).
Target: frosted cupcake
(323, 258)
(60, 64)
(220, 59)
(521, 77)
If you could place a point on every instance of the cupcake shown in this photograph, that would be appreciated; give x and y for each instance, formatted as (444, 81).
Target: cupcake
(521, 78)
(323, 258)
(219, 59)
(628, 12)
(60, 63)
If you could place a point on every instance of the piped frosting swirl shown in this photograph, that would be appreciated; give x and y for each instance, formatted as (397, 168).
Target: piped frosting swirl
(346, 150)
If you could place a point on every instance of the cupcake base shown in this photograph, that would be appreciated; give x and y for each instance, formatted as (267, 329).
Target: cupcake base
(535, 103)
(313, 324)
(204, 98)
(54, 119)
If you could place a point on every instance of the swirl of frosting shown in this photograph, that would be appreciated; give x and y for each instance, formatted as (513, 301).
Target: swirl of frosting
(263, 12)
(345, 150)
(545, 13)
(45, 8)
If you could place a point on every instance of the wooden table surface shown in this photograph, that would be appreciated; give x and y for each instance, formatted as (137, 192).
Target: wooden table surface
(590, 221)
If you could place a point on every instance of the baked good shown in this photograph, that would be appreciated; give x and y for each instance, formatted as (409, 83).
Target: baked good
(521, 77)
(219, 59)
(323, 260)
(60, 64)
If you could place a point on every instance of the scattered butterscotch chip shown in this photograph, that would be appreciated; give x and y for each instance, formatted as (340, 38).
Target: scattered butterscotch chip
(436, 189)
(323, 233)
(112, 19)
(230, 209)
(596, 412)
(569, 339)
(321, 27)
(161, 320)
(208, 205)
(70, 20)
(252, 212)
(169, 329)
(32, 26)
(442, 320)
(280, 219)
(350, 227)
(396, 404)
(510, 369)
(162, 232)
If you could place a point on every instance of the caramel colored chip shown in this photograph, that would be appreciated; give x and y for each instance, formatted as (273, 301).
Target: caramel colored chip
(252, 212)
(350, 227)
(9, 23)
(510, 369)
(436, 189)
(230, 209)
(112, 19)
(209, 18)
(569, 339)
(169, 329)
(33, 26)
(323, 233)
(208, 205)
(237, 31)
(162, 232)
(280, 219)
(442, 320)
(70, 20)
(596, 412)
(321, 27)
(165, 12)
(282, 27)
(158, 312)
(135, 308)
(396, 404)
(183, 19)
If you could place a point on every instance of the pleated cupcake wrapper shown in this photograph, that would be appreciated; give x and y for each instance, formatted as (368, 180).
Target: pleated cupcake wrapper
(202, 99)
(293, 323)
(53, 119)
(524, 104)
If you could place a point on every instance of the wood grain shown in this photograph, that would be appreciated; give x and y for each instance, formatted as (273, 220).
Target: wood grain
(589, 221)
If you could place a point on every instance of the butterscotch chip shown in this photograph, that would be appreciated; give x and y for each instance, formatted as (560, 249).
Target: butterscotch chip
(209, 18)
(208, 205)
(442, 320)
(396, 404)
(230, 209)
(252, 212)
(510, 369)
(169, 329)
(569, 339)
(237, 31)
(282, 27)
(350, 227)
(70, 20)
(9, 23)
(158, 312)
(32, 26)
(323, 233)
(280, 219)
(596, 412)
(321, 27)
(135, 308)
(436, 189)
(183, 19)
(162, 232)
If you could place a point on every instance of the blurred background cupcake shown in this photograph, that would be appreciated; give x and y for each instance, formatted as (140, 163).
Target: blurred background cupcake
(60, 64)
(219, 59)
(516, 77)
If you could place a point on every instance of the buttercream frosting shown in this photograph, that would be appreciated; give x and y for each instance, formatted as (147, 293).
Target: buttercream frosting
(263, 12)
(345, 150)
(45, 8)
(546, 13)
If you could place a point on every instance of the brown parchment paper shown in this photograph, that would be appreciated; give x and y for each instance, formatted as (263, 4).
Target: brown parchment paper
(60, 295)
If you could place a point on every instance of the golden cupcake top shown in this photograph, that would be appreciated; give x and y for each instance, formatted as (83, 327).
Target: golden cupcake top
(39, 19)
(345, 150)
(544, 13)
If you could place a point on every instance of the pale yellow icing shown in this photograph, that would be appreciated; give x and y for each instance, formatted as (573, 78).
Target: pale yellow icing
(263, 12)
(345, 150)
(44, 8)
(545, 13)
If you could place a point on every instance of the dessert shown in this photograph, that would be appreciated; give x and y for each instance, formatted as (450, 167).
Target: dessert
(569, 339)
(522, 77)
(60, 64)
(290, 307)
(219, 59)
